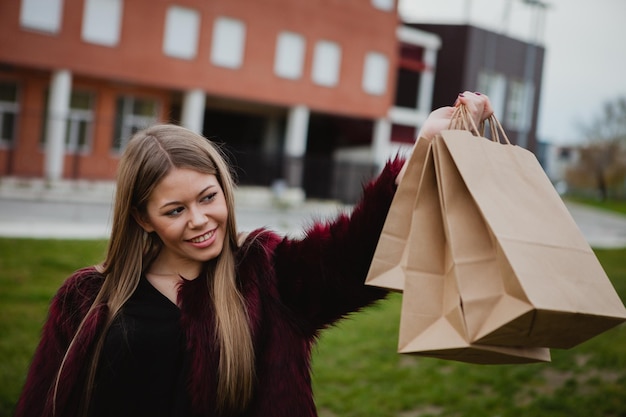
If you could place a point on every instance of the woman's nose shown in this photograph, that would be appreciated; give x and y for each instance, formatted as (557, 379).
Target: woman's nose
(197, 217)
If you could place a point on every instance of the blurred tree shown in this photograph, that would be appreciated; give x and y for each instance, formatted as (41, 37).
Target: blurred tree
(610, 124)
(602, 161)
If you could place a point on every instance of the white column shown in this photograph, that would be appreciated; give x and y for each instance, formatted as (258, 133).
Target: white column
(295, 144)
(427, 81)
(193, 110)
(58, 109)
(297, 130)
(381, 142)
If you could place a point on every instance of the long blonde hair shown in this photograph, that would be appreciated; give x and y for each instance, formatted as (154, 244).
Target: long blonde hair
(148, 158)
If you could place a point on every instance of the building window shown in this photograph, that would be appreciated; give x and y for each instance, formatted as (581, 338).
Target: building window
(132, 114)
(79, 122)
(41, 15)
(519, 106)
(102, 22)
(228, 44)
(493, 85)
(9, 109)
(326, 63)
(78, 132)
(182, 26)
(289, 60)
(386, 5)
(409, 76)
(375, 69)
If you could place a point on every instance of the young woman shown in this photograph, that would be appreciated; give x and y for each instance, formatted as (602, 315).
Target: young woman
(182, 319)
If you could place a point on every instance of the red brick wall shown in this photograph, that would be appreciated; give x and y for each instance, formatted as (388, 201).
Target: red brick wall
(26, 157)
(355, 24)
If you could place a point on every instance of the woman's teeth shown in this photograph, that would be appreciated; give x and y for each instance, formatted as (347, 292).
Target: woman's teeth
(202, 238)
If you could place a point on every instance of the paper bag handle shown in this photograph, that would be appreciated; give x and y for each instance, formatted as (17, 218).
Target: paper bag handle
(461, 120)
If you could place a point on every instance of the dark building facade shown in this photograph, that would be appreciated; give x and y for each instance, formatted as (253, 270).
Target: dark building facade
(508, 70)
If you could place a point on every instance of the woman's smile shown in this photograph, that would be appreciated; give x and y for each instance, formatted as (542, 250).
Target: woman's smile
(203, 240)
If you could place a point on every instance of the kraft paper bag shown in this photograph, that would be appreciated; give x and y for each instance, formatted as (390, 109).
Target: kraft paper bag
(386, 268)
(525, 273)
(432, 320)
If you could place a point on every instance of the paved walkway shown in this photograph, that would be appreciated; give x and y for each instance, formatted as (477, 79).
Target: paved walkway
(83, 212)
(602, 229)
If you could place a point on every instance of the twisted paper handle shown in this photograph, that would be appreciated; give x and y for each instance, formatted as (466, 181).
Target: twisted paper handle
(462, 120)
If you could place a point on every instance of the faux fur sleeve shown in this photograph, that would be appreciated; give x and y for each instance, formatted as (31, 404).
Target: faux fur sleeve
(66, 311)
(321, 277)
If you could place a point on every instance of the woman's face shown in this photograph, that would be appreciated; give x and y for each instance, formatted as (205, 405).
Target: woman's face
(188, 211)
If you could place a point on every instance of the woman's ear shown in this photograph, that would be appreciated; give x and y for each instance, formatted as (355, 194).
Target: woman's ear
(142, 220)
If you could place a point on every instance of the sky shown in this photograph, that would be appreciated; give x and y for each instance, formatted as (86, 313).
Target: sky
(585, 61)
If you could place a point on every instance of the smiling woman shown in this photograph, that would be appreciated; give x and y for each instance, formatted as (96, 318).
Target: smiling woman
(180, 319)
(188, 211)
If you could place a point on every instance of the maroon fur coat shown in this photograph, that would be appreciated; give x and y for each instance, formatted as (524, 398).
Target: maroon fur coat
(293, 288)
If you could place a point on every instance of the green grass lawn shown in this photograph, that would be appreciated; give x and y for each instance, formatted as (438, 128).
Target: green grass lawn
(616, 206)
(356, 371)
(30, 273)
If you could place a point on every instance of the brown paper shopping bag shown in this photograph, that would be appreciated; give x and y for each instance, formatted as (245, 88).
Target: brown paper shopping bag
(386, 270)
(432, 322)
(525, 273)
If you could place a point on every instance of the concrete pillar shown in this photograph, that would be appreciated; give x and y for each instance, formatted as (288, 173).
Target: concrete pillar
(295, 144)
(381, 142)
(427, 81)
(58, 109)
(193, 110)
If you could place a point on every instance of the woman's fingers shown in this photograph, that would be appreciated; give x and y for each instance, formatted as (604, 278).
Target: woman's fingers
(478, 105)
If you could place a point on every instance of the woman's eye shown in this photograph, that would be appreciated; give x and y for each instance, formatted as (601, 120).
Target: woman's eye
(209, 197)
(175, 212)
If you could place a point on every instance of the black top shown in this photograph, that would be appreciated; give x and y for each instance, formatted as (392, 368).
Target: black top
(141, 371)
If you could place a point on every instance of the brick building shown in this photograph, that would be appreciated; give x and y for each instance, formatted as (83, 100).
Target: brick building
(316, 93)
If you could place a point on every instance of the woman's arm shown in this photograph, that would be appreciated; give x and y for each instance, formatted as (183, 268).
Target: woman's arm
(321, 276)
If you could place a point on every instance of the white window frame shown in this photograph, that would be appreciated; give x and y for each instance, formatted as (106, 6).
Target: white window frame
(182, 29)
(42, 15)
(75, 117)
(386, 5)
(130, 122)
(9, 107)
(326, 63)
(228, 43)
(290, 53)
(375, 73)
(102, 22)
(494, 85)
(519, 105)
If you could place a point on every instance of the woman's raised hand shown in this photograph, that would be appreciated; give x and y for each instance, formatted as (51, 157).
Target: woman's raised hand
(477, 104)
